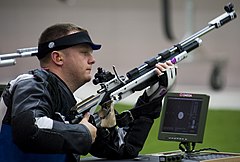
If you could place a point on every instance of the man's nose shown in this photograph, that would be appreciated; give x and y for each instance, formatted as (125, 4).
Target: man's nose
(92, 60)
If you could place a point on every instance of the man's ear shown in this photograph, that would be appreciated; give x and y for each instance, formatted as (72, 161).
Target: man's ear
(57, 57)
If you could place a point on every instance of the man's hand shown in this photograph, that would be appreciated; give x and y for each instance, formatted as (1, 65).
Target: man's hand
(92, 129)
(167, 75)
(162, 67)
(107, 115)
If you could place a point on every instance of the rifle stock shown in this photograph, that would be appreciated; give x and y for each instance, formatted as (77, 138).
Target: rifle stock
(116, 88)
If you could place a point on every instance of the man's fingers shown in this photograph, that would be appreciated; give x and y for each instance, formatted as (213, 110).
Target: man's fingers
(161, 67)
(92, 129)
(169, 63)
(86, 117)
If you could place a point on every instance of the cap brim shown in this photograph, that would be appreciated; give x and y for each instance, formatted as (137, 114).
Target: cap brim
(95, 46)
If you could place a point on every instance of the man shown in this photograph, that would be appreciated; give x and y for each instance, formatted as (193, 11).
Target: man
(36, 106)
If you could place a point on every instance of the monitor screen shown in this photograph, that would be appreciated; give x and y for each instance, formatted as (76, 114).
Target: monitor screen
(183, 117)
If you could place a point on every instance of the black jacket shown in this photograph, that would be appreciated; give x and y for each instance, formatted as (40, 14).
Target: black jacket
(42, 95)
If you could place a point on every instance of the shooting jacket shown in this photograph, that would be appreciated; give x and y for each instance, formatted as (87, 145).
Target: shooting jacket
(38, 103)
(35, 105)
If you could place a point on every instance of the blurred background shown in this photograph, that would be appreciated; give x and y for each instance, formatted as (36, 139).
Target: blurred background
(131, 32)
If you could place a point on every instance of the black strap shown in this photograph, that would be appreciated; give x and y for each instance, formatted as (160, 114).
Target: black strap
(124, 118)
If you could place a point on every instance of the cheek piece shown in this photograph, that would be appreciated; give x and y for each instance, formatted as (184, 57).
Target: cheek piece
(65, 42)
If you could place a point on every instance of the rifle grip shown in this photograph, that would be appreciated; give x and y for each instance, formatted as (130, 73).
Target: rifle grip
(77, 119)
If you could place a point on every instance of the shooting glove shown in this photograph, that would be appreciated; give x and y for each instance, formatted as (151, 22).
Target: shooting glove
(166, 81)
(107, 115)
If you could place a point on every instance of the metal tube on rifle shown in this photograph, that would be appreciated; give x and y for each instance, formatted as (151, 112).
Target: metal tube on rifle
(215, 23)
(8, 62)
(9, 59)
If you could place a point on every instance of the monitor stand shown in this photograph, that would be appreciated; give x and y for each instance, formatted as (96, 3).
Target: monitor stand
(187, 147)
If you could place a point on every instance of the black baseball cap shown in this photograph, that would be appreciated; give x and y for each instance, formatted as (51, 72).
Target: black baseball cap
(65, 42)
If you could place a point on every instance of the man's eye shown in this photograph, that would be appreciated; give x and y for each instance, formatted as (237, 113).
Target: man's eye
(86, 52)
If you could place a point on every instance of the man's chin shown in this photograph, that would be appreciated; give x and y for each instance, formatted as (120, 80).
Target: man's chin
(88, 79)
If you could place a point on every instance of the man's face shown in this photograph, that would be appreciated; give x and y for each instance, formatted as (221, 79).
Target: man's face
(78, 64)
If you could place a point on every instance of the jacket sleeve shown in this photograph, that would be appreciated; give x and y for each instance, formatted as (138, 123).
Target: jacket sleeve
(127, 142)
(34, 129)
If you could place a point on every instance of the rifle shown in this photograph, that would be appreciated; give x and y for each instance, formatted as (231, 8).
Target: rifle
(10, 58)
(114, 88)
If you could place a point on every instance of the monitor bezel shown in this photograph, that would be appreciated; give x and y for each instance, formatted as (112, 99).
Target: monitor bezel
(185, 137)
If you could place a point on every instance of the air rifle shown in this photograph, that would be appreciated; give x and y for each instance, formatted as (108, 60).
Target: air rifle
(114, 88)
(10, 58)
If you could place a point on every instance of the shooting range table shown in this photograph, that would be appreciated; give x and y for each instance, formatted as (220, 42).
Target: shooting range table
(172, 157)
(145, 158)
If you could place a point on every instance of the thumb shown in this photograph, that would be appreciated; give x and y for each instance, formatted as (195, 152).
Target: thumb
(86, 116)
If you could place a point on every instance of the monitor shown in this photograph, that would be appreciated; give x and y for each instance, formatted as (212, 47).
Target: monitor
(183, 117)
